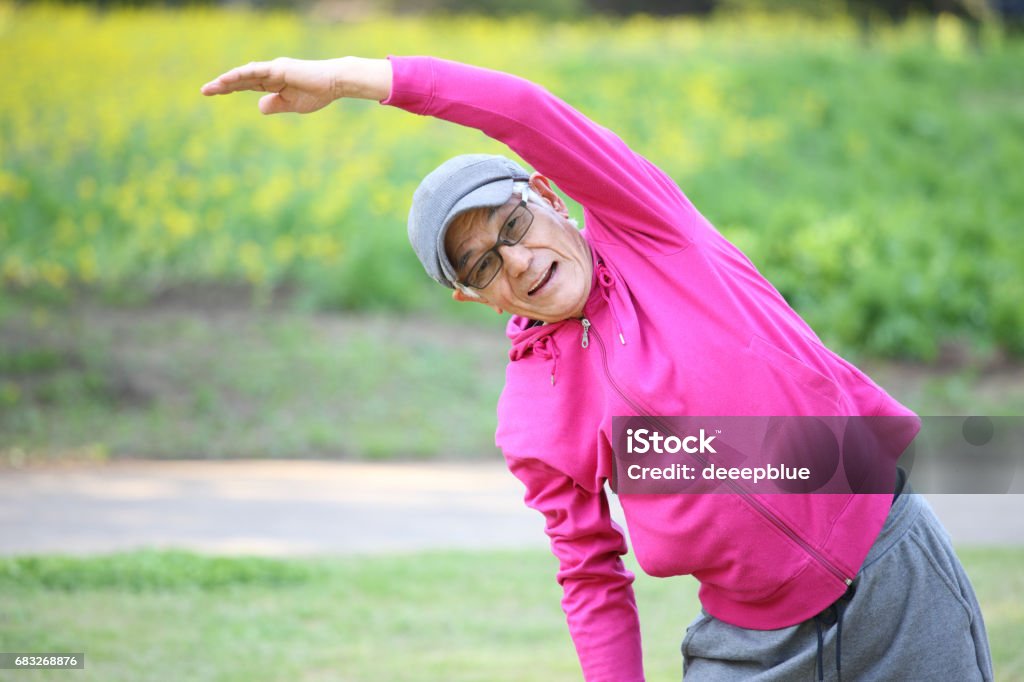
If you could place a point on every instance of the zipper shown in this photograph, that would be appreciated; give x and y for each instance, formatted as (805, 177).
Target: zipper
(734, 485)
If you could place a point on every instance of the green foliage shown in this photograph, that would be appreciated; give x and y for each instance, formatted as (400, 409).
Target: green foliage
(814, 8)
(548, 9)
(874, 184)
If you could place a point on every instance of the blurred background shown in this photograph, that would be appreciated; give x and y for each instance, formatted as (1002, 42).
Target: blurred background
(182, 278)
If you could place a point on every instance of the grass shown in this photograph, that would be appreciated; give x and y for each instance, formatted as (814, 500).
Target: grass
(199, 379)
(431, 616)
(95, 383)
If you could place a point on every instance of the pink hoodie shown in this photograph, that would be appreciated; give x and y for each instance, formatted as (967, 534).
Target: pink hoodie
(678, 322)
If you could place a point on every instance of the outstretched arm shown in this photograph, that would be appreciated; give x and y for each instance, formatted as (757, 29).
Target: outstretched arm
(303, 86)
(623, 192)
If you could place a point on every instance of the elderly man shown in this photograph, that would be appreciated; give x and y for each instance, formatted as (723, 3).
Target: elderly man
(650, 311)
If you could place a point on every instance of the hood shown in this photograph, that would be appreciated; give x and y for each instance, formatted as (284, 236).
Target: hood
(524, 333)
(530, 336)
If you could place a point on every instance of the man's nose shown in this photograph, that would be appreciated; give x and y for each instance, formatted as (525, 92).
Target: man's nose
(517, 259)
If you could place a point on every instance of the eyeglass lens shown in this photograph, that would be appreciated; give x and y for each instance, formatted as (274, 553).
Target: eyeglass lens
(512, 232)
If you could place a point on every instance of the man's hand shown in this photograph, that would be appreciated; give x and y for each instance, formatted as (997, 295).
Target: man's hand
(303, 86)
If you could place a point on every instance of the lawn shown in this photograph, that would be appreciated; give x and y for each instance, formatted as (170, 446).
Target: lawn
(490, 616)
(202, 379)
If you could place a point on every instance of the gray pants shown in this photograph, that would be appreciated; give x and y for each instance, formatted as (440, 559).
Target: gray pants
(912, 615)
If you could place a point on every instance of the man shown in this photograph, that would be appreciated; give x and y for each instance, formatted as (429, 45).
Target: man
(650, 311)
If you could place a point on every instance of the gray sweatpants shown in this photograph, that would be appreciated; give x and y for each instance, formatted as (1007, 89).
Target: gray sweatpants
(912, 615)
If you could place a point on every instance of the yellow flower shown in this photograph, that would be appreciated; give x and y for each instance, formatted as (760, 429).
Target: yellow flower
(284, 249)
(16, 270)
(251, 258)
(12, 186)
(321, 247)
(179, 224)
(86, 188)
(950, 35)
(88, 267)
(66, 232)
(54, 274)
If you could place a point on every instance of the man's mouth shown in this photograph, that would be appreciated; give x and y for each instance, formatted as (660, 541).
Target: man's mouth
(542, 282)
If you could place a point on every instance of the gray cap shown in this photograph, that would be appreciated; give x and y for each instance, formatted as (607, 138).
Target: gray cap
(459, 184)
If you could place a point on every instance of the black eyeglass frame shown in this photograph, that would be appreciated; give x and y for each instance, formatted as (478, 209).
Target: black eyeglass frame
(502, 241)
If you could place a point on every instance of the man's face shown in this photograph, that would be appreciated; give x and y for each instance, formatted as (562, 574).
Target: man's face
(546, 276)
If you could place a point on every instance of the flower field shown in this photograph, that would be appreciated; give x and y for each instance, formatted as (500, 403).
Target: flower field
(878, 184)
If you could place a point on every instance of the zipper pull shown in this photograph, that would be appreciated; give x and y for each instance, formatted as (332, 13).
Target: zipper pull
(586, 328)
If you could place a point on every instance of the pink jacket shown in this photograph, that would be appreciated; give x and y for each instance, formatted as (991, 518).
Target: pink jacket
(679, 322)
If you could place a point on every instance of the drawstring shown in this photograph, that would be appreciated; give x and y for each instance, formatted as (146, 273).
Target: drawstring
(606, 282)
(542, 341)
(833, 614)
(546, 348)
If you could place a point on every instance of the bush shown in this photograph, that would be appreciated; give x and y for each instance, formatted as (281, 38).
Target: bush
(875, 186)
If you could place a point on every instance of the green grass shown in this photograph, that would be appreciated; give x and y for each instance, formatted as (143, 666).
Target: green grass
(98, 382)
(94, 382)
(430, 616)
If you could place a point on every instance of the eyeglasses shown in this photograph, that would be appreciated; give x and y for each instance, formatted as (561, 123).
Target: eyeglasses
(512, 231)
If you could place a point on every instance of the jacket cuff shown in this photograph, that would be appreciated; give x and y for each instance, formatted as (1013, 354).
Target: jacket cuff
(412, 84)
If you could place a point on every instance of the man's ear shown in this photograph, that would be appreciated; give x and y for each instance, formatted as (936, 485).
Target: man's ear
(466, 298)
(542, 186)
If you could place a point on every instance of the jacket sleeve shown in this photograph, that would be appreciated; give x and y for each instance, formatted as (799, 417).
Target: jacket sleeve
(587, 161)
(597, 589)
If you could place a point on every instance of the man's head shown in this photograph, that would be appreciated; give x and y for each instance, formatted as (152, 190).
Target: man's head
(481, 225)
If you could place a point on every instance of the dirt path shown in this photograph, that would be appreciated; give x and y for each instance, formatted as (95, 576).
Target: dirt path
(279, 508)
